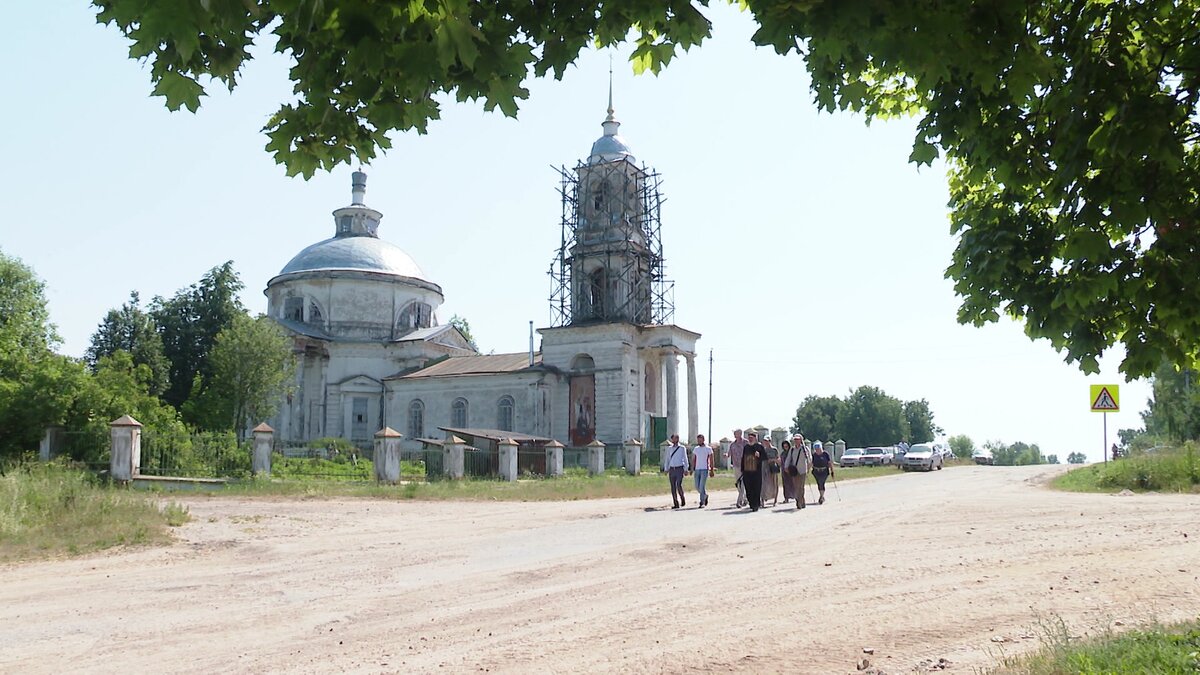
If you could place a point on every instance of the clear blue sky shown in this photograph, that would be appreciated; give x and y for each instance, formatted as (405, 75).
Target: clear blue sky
(804, 247)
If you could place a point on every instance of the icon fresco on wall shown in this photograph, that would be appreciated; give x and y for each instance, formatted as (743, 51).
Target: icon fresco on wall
(583, 410)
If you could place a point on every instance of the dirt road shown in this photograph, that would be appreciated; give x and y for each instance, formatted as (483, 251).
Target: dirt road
(958, 564)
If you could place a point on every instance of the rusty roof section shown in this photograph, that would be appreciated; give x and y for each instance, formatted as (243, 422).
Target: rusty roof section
(486, 364)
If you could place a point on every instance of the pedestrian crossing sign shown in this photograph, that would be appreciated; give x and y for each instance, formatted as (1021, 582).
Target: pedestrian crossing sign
(1106, 398)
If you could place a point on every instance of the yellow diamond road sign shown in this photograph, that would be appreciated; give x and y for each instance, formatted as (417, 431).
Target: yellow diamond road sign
(1106, 398)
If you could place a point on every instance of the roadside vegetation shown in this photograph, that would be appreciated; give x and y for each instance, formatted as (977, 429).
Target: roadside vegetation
(1166, 650)
(49, 510)
(1162, 469)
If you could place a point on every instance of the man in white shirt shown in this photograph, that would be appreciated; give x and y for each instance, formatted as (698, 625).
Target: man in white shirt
(702, 466)
(677, 464)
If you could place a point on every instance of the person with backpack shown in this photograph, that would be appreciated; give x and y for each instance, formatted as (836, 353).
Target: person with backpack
(754, 458)
(796, 464)
(677, 465)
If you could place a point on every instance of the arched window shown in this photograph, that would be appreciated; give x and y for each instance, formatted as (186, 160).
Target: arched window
(416, 419)
(504, 413)
(415, 315)
(314, 313)
(458, 413)
(595, 293)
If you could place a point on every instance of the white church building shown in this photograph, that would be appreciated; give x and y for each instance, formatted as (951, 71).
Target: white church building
(371, 353)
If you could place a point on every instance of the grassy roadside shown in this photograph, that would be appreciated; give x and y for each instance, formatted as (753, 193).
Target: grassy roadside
(50, 510)
(1176, 470)
(575, 485)
(47, 510)
(1163, 650)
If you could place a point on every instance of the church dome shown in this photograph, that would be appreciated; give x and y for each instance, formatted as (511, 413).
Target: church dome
(610, 148)
(367, 254)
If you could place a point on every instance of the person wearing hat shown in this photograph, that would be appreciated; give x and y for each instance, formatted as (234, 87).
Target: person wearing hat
(796, 464)
(754, 457)
(822, 468)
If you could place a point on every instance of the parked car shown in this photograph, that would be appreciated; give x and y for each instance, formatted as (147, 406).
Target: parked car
(947, 454)
(851, 457)
(875, 457)
(982, 456)
(924, 456)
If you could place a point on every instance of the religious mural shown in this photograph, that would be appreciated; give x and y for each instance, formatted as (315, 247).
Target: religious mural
(583, 410)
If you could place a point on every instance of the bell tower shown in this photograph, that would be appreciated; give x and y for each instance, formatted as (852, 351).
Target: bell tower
(610, 265)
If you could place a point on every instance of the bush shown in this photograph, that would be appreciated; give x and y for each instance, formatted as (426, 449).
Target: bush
(1166, 470)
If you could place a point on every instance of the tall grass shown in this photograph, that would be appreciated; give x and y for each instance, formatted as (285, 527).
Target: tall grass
(1161, 650)
(53, 509)
(1168, 470)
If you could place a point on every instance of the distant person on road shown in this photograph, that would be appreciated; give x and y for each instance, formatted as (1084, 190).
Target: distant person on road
(735, 461)
(822, 468)
(785, 478)
(677, 464)
(796, 464)
(771, 471)
(754, 458)
(702, 466)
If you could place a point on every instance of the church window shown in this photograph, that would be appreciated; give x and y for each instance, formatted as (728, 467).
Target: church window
(458, 413)
(416, 419)
(415, 315)
(504, 414)
(314, 313)
(595, 293)
(344, 224)
(293, 309)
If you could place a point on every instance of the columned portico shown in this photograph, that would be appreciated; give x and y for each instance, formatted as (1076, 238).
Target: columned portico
(670, 367)
(693, 405)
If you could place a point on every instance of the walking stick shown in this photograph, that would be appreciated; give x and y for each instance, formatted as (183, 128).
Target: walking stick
(835, 487)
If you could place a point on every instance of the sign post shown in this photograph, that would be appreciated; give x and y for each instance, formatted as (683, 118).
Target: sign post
(1105, 398)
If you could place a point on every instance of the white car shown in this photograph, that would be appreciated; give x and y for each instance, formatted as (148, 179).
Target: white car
(923, 456)
(851, 457)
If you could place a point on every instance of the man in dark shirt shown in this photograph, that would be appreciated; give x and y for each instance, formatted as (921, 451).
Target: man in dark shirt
(753, 457)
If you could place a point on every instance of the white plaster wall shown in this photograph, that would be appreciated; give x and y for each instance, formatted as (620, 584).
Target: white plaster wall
(482, 392)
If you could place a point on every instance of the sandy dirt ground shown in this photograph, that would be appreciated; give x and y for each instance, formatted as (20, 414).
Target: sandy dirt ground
(960, 565)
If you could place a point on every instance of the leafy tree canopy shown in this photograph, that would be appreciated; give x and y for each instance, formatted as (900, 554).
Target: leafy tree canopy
(1173, 411)
(131, 329)
(1069, 126)
(962, 446)
(872, 417)
(26, 334)
(1076, 458)
(251, 363)
(919, 417)
(817, 417)
(1015, 454)
(189, 323)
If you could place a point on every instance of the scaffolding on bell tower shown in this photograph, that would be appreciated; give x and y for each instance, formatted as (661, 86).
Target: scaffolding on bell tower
(609, 266)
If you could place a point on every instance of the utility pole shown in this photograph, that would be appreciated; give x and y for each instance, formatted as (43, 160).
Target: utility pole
(710, 369)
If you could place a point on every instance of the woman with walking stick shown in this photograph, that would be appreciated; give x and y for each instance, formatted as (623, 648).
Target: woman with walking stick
(822, 468)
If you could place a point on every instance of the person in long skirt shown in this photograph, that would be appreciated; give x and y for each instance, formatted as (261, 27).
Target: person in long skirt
(754, 456)
(770, 474)
(785, 478)
(822, 468)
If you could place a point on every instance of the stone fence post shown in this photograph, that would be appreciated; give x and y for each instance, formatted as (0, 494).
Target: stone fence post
(778, 436)
(554, 458)
(595, 457)
(723, 460)
(260, 455)
(663, 455)
(387, 455)
(508, 459)
(455, 457)
(52, 442)
(125, 453)
(633, 457)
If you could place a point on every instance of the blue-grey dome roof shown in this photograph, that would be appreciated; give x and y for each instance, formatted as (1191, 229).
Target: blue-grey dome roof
(610, 148)
(368, 254)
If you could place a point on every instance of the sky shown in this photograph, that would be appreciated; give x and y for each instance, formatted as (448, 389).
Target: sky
(803, 246)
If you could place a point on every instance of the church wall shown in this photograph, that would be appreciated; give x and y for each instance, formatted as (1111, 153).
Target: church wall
(482, 393)
(616, 369)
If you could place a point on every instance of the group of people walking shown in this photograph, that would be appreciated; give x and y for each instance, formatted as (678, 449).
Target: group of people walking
(758, 467)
